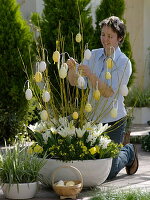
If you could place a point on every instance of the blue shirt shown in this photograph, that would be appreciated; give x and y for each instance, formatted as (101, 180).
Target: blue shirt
(120, 74)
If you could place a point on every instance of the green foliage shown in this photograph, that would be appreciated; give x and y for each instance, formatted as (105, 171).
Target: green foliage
(146, 143)
(122, 195)
(18, 166)
(138, 98)
(106, 9)
(14, 34)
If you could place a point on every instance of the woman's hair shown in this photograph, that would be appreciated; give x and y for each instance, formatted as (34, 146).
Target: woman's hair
(117, 26)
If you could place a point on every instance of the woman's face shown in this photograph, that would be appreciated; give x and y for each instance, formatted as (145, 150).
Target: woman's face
(109, 38)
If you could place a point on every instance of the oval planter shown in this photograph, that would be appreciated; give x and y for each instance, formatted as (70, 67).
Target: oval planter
(20, 191)
(94, 172)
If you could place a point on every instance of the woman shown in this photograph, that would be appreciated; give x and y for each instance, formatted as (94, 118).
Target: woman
(94, 71)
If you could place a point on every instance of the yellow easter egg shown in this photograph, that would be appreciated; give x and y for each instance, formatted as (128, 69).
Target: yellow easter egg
(38, 76)
(70, 183)
(114, 112)
(96, 95)
(107, 75)
(88, 107)
(109, 63)
(78, 37)
(75, 115)
(56, 56)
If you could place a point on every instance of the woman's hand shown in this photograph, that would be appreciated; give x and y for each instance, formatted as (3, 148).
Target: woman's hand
(85, 71)
(71, 63)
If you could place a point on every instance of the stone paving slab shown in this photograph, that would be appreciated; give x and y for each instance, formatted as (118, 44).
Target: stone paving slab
(140, 181)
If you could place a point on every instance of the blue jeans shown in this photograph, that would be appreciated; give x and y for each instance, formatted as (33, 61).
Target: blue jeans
(126, 155)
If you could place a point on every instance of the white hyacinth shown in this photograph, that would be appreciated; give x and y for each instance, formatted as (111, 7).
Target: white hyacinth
(103, 142)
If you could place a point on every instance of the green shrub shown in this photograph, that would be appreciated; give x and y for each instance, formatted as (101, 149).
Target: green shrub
(146, 143)
(138, 98)
(14, 34)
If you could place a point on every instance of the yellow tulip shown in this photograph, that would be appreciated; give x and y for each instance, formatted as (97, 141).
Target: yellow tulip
(92, 150)
(38, 149)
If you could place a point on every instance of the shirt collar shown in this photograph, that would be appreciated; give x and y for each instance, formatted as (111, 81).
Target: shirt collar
(117, 53)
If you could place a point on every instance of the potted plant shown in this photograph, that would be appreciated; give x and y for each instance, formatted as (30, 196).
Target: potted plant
(139, 100)
(19, 172)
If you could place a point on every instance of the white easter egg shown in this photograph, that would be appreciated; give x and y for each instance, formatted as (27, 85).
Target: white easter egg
(87, 54)
(81, 81)
(88, 107)
(28, 94)
(78, 37)
(44, 115)
(60, 183)
(62, 72)
(65, 66)
(114, 112)
(42, 66)
(46, 96)
(124, 90)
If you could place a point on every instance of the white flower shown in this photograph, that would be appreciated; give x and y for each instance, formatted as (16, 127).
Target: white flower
(63, 121)
(103, 142)
(80, 132)
(91, 138)
(88, 126)
(38, 127)
(46, 135)
(53, 130)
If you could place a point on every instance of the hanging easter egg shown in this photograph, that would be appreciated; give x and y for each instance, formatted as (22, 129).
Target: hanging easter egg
(81, 81)
(56, 56)
(46, 96)
(124, 90)
(28, 94)
(65, 66)
(88, 107)
(107, 75)
(87, 54)
(114, 112)
(44, 115)
(109, 63)
(62, 72)
(78, 37)
(42, 66)
(96, 95)
(75, 115)
(38, 76)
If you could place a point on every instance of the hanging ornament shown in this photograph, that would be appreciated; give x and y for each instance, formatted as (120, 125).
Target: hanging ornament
(38, 76)
(107, 75)
(56, 56)
(88, 107)
(62, 72)
(28, 94)
(65, 66)
(75, 115)
(109, 63)
(124, 90)
(46, 96)
(114, 110)
(81, 81)
(96, 95)
(44, 115)
(78, 37)
(87, 54)
(42, 66)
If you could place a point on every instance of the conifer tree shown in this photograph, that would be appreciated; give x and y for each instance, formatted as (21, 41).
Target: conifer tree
(106, 9)
(14, 35)
(64, 19)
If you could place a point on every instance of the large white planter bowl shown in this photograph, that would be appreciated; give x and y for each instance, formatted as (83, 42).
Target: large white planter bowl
(94, 172)
(26, 190)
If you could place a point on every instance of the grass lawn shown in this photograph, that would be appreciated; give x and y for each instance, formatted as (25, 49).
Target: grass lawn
(124, 195)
